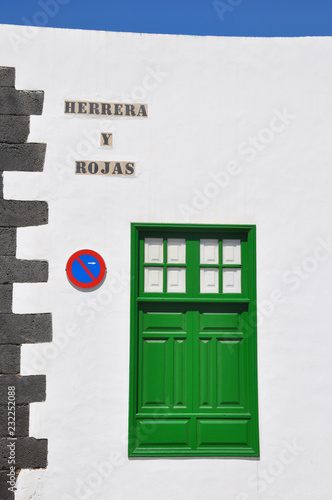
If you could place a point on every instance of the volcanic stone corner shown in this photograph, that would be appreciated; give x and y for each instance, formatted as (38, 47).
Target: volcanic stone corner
(21, 420)
(5, 494)
(28, 157)
(14, 213)
(21, 102)
(14, 129)
(10, 359)
(30, 453)
(6, 298)
(25, 328)
(16, 154)
(7, 241)
(7, 76)
(22, 271)
(28, 389)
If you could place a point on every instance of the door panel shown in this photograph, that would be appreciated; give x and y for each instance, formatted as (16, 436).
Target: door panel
(180, 368)
(163, 433)
(206, 373)
(193, 349)
(218, 322)
(222, 359)
(165, 379)
(229, 377)
(221, 378)
(189, 361)
(154, 376)
(164, 322)
(216, 432)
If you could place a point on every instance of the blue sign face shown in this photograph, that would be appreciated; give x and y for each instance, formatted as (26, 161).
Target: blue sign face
(85, 266)
(86, 269)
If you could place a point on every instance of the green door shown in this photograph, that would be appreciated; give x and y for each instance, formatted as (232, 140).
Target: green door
(193, 348)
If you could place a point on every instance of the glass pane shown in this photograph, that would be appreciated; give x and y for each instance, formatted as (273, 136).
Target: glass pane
(153, 279)
(231, 251)
(231, 280)
(176, 251)
(176, 279)
(153, 250)
(209, 280)
(209, 252)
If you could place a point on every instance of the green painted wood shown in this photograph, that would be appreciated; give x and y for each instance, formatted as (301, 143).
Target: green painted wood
(228, 379)
(155, 390)
(206, 376)
(218, 321)
(218, 432)
(164, 379)
(180, 359)
(168, 321)
(163, 433)
(193, 359)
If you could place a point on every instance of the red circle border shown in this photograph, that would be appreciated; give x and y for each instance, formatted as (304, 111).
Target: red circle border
(79, 284)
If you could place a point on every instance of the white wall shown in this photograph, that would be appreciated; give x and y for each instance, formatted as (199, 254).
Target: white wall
(209, 97)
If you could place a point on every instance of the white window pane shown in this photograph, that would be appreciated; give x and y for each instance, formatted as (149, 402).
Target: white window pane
(153, 279)
(209, 252)
(231, 251)
(153, 250)
(176, 280)
(209, 280)
(176, 251)
(231, 280)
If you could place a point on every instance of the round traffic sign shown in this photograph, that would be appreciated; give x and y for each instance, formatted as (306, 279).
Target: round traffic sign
(86, 269)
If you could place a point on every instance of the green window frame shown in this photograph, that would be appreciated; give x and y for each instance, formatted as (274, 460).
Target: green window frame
(193, 341)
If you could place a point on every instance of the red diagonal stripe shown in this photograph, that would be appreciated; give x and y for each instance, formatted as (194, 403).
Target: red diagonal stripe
(86, 269)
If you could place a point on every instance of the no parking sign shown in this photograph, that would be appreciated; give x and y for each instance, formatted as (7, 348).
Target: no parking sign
(86, 270)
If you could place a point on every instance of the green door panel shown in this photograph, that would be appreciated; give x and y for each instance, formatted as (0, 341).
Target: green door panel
(163, 433)
(206, 374)
(164, 374)
(164, 322)
(217, 432)
(221, 373)
(193, 366)
(218, 322)
(165, 378)
(154, 376)
(181, 378)
(229, 376)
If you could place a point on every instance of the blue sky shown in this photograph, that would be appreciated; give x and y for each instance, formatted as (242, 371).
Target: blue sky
(189, 17)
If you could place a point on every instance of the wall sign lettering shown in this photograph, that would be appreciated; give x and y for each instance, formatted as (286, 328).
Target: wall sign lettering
(106, 109)
(109, 168)
(105, 168)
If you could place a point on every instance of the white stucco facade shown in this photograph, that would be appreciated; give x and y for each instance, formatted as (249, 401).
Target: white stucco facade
(238, 132)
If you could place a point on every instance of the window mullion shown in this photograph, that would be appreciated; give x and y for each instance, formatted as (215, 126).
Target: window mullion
(165, 266)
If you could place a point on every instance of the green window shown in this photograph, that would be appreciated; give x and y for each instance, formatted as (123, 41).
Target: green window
(193, 363)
